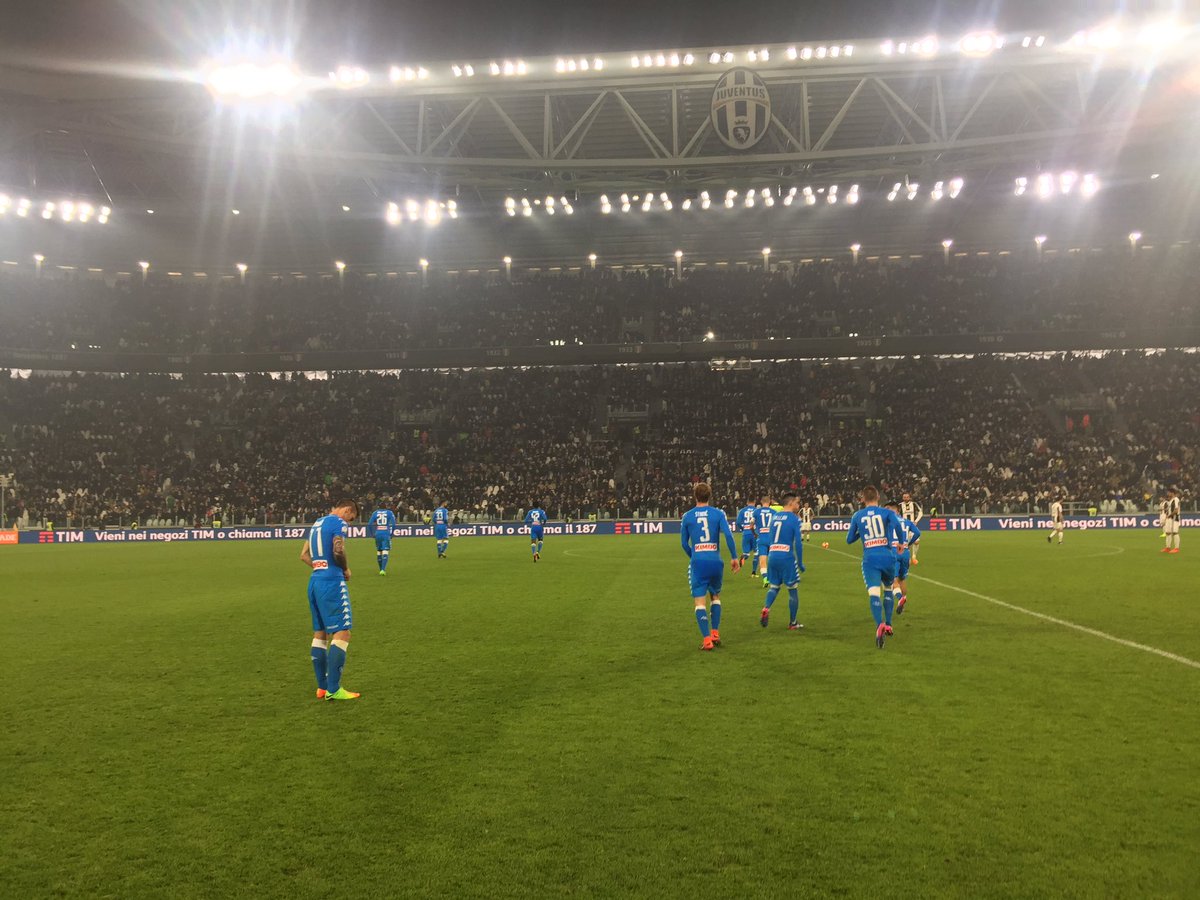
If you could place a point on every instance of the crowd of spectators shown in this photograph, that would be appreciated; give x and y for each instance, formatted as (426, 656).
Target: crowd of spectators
(922, 296)
(983, 434)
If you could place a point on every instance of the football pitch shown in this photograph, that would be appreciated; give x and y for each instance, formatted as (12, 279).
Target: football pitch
(552, 730)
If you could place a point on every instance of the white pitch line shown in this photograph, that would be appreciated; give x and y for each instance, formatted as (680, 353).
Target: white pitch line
(1165, 654)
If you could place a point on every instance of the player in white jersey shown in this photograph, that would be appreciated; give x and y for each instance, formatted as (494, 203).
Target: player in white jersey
(912, 511)
(1170, 512)
(806, 522)
(1056, 521)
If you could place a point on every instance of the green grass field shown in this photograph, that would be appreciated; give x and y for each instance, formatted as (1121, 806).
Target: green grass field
(552, 730)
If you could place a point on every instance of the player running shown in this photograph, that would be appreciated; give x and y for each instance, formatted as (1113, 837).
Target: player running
(745, 523)
(1170, 513)
(701, 531)
(910, 534)
(441, 529)
(762, 522)
(806, 522)
(911, 510)
(879, 529)
(383, 520)
(785, 560)
(325, 553)
(1056, 521)
(536, 520)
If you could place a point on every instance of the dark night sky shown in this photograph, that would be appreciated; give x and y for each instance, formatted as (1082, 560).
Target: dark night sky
(378, 32)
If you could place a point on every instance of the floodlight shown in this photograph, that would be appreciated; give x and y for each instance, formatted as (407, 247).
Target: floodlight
(821, 51)
(424, 263)
(38, 257)
(349, 76)
(887, 48)
(708, 336)
(1019, 186)
(1134, 237)
(1039, 240)
(251, 81)
(766, 251)
(956, 186)
(856, 247)
(1066, 181)
(687, 203)
(937, 193)
(591, 257)
(947, 244)
(149, 212)
(393, 214)
(142, 264)
(242, 267)
(339, 265)
(912, 190)
(1045, 185)
(714, 57)
(727, 57)
(980, 43)
(469, 70)
(1091, 184)
(679, 254)
(674, 59)
(508, 260)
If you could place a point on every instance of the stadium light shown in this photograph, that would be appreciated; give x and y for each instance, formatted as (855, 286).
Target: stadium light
(252, 81)
(1134, 237)
(145, 267)
(242, 267)
(424, 263)
(38, 259)
(508, 267)
(678, 263)
(708, 336)
(236, 212)
(1039, 240)
(855, 248)
(592, 259)
(766, 254)
(946, 245)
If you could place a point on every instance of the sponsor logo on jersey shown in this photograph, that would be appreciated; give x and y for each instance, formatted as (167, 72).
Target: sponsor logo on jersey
(741, 109)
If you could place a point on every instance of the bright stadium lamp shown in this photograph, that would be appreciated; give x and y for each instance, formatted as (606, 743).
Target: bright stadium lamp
(1134, 237)
(1039, 240)
(946, 245)
(252, 81)
(242, 267)
(38, 259)
(424, 263)
(855, 248)
(678, 263)
(145, 267)
(508, 267)
(340, 266)
(592, 259)
(766, 255)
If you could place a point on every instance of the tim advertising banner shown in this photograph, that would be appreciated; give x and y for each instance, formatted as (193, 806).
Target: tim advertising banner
(619, 527)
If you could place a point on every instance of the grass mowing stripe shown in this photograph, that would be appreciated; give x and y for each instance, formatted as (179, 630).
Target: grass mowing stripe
(1165, 654)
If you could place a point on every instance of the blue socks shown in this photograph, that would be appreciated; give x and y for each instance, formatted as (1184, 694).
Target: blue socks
(793, 603)
(877, 610)
(702, 621)
(539, 550)
(319, 661)
(337, 660)
(533, 549)
(716, 615)
(889, 603)
(772, 593)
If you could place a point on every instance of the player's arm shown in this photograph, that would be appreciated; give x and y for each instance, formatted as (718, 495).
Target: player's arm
(306, 555)
(339, 555)
(919, 515)
(683, 539)
(852, 533)
(916, 535)
(897, 532)
(798, 548)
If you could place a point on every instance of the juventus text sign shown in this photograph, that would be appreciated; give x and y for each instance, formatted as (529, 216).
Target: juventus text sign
(741, 109)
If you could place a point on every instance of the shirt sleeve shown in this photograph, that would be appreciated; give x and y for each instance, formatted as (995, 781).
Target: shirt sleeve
(852, 534)
(916, 533)
(728, 532)
(683, 537)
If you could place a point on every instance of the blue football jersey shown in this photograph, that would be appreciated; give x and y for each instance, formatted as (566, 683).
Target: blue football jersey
(535, 517)
(382, 521)
(701, 532)
(784, 533)
(441, 516)
(878, 528)
(762, 518)
(745, 518)
(320, 546)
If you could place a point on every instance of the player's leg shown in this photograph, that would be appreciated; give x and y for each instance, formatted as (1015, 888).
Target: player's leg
(793, 586)
(714, 618)
(533, 547)
(1174, 532)
(320, 641)
(873, 580)
(333, 600)
(900, 584)
(541, 539)
(913, 551)
(889, 599)
(1061, 529)
(773, 583)
(338, 649)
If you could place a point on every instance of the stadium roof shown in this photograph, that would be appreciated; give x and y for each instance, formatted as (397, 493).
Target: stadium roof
(872, 112)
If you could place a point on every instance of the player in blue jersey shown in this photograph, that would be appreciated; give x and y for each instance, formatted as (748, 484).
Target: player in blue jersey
(328, 599)
(762, 519)
(785, 560)
(441, 529)
(702, 528)
(536, 520)
(910, 534)
(879, 529)
(380, 525)
(745, 524)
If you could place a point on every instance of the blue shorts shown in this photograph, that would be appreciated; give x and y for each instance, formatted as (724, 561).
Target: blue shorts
(748, 542)
(329, 603)
(764, 544)
(902, 561)
(535, 532)
(383, 540)
(782, 569)
(706, 575)
(441, 532)
(878, 571)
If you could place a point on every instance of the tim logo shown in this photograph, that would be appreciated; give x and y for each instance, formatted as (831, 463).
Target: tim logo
(622, 528)
(937, 524)
(741, 109)
(45, 537)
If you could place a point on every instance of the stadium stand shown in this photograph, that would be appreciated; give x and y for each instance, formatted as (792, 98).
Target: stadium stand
(921, 296)
(982, 434)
